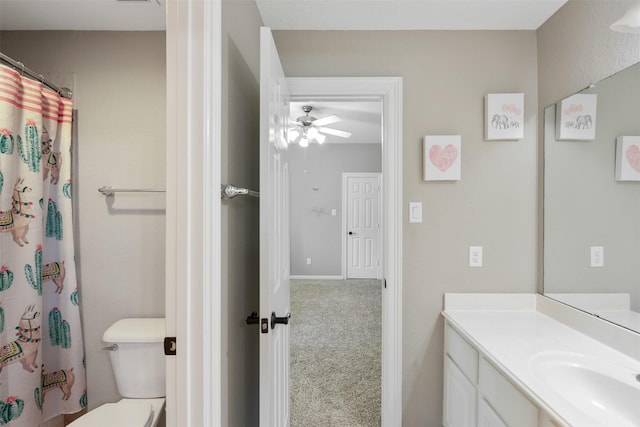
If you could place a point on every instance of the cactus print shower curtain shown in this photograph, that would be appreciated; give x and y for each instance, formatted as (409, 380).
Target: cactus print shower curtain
(42, 370)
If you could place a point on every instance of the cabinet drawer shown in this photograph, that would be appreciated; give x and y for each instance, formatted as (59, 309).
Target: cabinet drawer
(515, 409)
(465, 356)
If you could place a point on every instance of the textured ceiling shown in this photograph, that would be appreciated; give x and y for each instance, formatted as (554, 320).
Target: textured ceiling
(407, 14)
(289, 14)
(110, 15)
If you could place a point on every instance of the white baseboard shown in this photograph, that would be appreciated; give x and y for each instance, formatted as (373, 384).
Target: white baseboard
(317, 278)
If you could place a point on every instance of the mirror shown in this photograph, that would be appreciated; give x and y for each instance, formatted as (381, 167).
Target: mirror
(589, 216)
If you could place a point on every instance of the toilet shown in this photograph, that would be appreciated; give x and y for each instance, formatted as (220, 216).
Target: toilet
(137, 358)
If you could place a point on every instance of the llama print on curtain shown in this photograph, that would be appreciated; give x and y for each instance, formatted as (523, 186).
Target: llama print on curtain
(42, 370)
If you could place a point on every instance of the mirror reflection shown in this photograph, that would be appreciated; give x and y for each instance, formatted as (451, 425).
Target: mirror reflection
(592, 220)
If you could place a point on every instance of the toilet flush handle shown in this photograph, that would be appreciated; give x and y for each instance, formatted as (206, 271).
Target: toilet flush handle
(112, 347)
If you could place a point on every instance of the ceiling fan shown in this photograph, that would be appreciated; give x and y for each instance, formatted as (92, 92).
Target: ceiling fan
(308, 127)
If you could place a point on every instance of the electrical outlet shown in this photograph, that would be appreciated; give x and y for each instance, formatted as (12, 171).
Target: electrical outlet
(308, 261)
(475, 256)
(597, 256)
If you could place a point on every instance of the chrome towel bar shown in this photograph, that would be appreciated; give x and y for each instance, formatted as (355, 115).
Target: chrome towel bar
(229, 191)
(108, 191)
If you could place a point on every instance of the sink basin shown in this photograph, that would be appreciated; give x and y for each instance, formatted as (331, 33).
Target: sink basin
(607, 393)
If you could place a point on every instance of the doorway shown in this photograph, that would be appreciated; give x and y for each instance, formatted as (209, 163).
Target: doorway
(389, 91)
(335, 332)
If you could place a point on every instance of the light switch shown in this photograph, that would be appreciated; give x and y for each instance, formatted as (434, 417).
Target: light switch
(333, 212)
(415, 212)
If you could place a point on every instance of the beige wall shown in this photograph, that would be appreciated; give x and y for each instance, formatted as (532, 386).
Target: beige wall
(240, 220)
(577, 48)
(119, 90)
(445, 77)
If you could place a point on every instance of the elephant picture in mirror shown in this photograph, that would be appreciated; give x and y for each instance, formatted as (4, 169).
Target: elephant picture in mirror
(576, 117)
(591, 219)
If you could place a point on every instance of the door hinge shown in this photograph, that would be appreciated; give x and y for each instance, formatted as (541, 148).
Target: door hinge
(169, 346)
(253, 318)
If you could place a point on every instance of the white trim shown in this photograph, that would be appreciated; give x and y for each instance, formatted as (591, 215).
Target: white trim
(193, 254)
(316, 278)
(345, 177)
(389, 90)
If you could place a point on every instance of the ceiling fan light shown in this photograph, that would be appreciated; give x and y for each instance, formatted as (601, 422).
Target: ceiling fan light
(320, 138)
(304, 142)
(312, 133)
(293, 135)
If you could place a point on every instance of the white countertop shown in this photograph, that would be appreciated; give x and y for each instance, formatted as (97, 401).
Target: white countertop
(510, 337)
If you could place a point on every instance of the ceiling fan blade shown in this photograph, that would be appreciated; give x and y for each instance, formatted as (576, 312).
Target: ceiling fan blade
(326, 120)
(336, 132)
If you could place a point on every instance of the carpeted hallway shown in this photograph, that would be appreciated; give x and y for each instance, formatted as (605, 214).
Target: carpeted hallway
(335, 353)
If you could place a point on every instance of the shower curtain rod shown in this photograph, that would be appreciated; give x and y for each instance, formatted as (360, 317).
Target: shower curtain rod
(19, 66)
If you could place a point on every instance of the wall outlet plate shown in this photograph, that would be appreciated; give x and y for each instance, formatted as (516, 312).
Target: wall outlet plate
(475, 256)
(597, 256)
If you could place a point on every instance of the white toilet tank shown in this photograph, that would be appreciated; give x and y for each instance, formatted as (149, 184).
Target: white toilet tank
(138, 362)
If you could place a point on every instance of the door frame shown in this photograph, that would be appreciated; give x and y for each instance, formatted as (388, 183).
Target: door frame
(193, 290)
(389, 91)
(345, 204)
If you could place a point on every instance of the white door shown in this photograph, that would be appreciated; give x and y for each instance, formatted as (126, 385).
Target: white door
(274, 237)
(363, 225)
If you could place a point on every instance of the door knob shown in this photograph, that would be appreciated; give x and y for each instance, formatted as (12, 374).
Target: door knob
(281, 320)
(351, 233)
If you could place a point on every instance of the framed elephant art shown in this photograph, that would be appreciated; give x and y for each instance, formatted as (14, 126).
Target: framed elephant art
(504, 116)
(576, 117)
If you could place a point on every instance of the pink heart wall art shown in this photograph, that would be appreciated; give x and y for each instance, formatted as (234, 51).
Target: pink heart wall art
(443, 158)
(628, 158)
(633, 157)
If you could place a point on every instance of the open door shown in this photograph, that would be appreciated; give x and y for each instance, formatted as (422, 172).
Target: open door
(274, 237)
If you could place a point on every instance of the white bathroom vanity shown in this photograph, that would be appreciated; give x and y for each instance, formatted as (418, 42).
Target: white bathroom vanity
(524, 360)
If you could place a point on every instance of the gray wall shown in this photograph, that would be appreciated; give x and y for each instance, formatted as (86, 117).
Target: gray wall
(118, 80)
(240, 231)
(576, 47)
(446, 75)
(315, 233)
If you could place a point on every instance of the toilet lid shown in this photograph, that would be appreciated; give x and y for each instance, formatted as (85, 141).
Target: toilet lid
(125, 413)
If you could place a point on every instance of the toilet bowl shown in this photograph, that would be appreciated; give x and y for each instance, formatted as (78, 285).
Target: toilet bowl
(124, 413)
(136, 353)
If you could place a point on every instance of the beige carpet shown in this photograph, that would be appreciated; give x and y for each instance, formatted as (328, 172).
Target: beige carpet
(335, 353)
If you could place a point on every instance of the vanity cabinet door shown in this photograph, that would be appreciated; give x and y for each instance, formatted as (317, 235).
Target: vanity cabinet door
(504, 397)
(459, 397)
(487, 417)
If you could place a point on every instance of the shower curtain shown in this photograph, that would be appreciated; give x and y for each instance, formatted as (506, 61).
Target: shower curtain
(42, 370)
